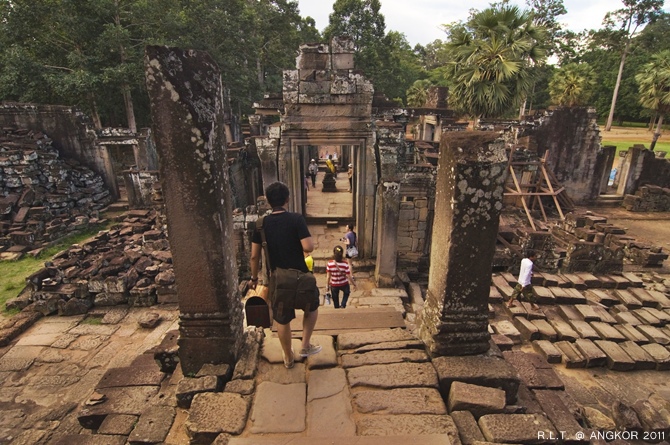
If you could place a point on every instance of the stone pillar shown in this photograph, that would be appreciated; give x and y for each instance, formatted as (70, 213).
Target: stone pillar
(387, 233)
(186, 98)
(469, 190)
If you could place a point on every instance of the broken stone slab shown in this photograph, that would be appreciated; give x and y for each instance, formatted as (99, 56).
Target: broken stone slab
(584, 329)
(560, 416)
(527, 329)
(384, 346)
(214, 413)
(242, 387)
(149, 320)
(479, 400)
(395, 375)
(625, 417)
(652, 420)
(72, 439)
(222, 372)
(547, 350)
(384, 357)
(131, 376)
(188, 388)
(506, 328)
(468, 429)
(593, 355)
(517, 428)
(166, 354)
(598, 420)
(324, 383)
(533, 370)
(601, 297)
(503, 342)
(607, 332)
(654, 334)
(118, 424)
(617, 359)
(639, 355)
(627, 298)
(545, 330)
(572, 357)
(400, 401)
(331, 417)
(407, 425)
(356, 340)
(128, 400)
(660, 354)
(247, 364)
(479, 370)
(153, 425)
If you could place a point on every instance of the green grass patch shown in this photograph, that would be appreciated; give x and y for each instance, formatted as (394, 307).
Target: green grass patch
(624, 145)
(14, 273)
(603, 122)
(95, 321)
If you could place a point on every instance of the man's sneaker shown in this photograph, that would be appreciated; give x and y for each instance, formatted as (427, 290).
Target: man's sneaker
(313, 349)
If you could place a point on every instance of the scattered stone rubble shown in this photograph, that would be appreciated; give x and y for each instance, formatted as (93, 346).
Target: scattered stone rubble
(42, 197)
(129, 264)
(648, 198)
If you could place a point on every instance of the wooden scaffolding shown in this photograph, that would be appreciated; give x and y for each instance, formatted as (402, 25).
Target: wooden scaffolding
(529, 181)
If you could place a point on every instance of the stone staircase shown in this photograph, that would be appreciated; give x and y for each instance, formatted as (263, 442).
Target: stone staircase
(608, 201)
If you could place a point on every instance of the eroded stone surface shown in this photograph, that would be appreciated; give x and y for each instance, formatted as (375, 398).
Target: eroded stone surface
(479, 400)
(215, 413)
(278, 408)
(395, 375)
(400, 401)
(384, 357)
(356, 340)
(325, 383)
(516, 428)
(406, 425)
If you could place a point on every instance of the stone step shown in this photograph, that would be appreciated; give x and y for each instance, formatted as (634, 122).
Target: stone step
(432, 439)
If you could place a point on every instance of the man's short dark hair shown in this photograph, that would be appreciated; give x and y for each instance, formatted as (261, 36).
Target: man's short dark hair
(277, 194)
(531, 254)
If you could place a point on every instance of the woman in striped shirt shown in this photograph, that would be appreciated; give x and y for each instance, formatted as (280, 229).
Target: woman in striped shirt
(339, 277)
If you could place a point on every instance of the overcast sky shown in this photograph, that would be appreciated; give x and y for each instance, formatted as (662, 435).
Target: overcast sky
(420, 20)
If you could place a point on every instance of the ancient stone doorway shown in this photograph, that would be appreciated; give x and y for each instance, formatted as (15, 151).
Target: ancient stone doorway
(318, 202)
(122, 159)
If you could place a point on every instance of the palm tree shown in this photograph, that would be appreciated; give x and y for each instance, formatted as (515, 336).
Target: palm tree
(491, 56)
(654, 83)
(418, 93)
(572, 85)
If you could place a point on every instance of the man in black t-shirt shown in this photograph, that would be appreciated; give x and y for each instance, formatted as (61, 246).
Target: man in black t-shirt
(287, 238)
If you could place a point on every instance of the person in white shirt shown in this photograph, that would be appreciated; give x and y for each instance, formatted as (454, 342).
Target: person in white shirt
(524, 287)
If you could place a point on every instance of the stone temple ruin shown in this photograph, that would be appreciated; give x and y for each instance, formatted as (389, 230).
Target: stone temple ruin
(443, 217)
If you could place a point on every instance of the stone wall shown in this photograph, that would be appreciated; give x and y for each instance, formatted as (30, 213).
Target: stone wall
(648, 198)
(42, 196)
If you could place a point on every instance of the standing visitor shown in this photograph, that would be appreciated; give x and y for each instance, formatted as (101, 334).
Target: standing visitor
(350, 175)
(524, 286)
(338, 276)
(313, 169)
(287, 238)
(351, 241)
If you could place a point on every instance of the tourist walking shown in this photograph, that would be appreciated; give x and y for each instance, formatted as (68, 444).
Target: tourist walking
(524, 287)
(287, 238)
(313, 169)
(338, 276)
(351, 241)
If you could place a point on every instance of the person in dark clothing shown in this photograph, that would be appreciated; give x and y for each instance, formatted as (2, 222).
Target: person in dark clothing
(287, 239)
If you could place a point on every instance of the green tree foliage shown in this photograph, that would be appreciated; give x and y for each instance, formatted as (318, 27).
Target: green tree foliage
(545, 14)
(654, 82)
(90, 53)
(490, 59)
(630, 18)
(418, 93)
(572, 85)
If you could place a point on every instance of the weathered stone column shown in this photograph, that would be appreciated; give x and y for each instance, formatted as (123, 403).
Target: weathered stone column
(388, 194)
(187, 110)
(469, 191)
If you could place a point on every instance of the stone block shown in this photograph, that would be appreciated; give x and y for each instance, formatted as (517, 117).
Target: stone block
(560, 416)
(547, 350)
(517, 428)
(394, 375)
(634, 280)
(650, 417)
(153, 426)
(503, 342)
(494, 295)
(546, 331)
(597, 420)
(617, 359)
(590, 280)
(479, 370)
(660, 355)
(131, 376)
(604, 315)
(527, 329)
(662, 301)
(357, 340)
(375, 425)
(662, 316)
(627, 317)
(571, 356)
(188, 388)
(468, 429)
(654, 334)
(212, 414)
(567, 295)
(563, 330)
(400, 401)
(593, 355)
(131, 400)
(645, 298)
(576, 281)
(639, 355)
(625, 417)
(620, 281)
(646, 317)
(584, 329)
(569, 313)
(544, 295)
(384, 357)
(506, 328)
(631, 334)
(607, 332)
(627, 298)
(586, 312)
(479, 400)
(533, 370)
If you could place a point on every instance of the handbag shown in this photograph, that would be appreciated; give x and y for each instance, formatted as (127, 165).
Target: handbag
(352, 251)
(287, 288)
